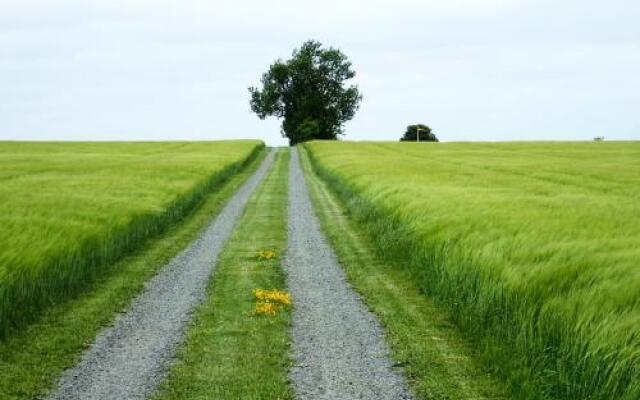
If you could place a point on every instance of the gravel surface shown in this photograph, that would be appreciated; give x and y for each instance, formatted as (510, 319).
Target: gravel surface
(129, 360)
(338, 344)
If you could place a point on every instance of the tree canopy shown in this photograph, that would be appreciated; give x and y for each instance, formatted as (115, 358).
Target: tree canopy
(309, 92)
(426, 134)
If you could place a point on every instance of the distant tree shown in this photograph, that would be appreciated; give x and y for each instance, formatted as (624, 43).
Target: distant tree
(309, 92)
(598, 138)
(426, 135)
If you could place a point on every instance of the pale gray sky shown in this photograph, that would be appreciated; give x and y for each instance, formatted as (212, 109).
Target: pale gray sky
(471, 69)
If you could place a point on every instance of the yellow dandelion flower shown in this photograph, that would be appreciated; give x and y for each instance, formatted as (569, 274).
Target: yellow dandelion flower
(266, 255)
(265, 309)
(272, 296)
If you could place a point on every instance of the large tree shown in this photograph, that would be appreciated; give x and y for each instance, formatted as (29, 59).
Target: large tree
(412, 132)
(309, 92)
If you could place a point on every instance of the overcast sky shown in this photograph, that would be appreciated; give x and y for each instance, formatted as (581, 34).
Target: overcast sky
(471, 69)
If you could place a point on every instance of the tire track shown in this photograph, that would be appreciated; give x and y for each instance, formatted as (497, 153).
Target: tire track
(338, 344)
(129, 359)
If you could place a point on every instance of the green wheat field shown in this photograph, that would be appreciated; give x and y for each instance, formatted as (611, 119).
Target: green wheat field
(533, 247)
(68, 210)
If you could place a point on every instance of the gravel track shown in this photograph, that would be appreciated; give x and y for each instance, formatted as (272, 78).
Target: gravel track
(129, 359)
(338, 344)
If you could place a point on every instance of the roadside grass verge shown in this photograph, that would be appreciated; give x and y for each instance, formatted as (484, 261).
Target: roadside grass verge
(236, 348)
(69, 210)
(532, 247)
(32, 358)
(438, 363)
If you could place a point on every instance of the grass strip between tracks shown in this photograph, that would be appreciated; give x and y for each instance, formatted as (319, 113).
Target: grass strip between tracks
(230, 352)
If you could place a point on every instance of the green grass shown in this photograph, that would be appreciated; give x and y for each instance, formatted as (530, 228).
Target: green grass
(533, 247)
(69, 210)
(230, 353)
(32, 358)
(439, 364)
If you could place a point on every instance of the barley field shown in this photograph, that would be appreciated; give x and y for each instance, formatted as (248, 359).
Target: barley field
(533, 247)
(68, 210)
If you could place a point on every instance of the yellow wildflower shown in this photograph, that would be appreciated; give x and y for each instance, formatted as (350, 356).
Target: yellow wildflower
(266, 255)
(272, 296)
(265, 309)
(269, 302)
